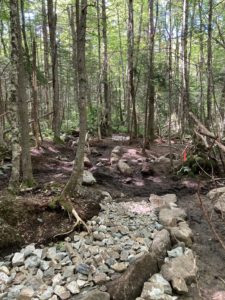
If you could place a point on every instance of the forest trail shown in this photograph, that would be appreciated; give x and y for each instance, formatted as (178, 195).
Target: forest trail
(52, 167)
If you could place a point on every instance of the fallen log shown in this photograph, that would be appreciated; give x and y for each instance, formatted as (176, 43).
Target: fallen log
(201, 129)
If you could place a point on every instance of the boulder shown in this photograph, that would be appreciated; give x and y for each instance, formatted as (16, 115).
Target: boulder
(129, 285)
(124, 168)
(88, 178)
(169, 217)
(216, 193)
(179, 286)
(181, 233)
(168, 200)
(160, 245)
(181, 267)
(220, 204)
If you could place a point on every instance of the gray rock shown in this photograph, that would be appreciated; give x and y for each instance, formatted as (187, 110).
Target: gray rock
(4, 278)
(32, 262)
(83, 269)
(100, 278)
(73, 287)
(18, 259)
(181, 267)
(28, 250)
(61, 292)
(168, 200)
(162, 283)
(220, 204)
(179, 286)
(124, 168)
(47, 293)
(95, 295)
(88, 178)
(216, 193)
(26, 294)
(129, 285)
(182, 233)
(176, 252)
(119, 267)
(160, 245)
(169, 217)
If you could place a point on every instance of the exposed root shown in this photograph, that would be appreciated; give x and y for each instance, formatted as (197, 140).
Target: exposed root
(78, 222)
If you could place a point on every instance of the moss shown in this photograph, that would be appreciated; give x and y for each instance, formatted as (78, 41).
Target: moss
(58, 141)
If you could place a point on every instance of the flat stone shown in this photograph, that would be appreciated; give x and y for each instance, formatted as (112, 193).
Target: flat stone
(95, 295)
(181, 267)
(61, 292)
(182, 233)
(129, 285)
(168, 200)
(216, 193)
(26, 294)
(73, 287)
(169, 217)
(18, 259)
(119, 267)
(100, 278)
(160, 245)
(179, 286)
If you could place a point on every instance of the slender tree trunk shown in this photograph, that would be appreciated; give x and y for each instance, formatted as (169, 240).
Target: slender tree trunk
(99, 96)
(185, 79)
(52, 21)
(209, 66)
(46, 57)
(35, 123)
(131, 90)
(2, 111)
(106, 123)
(75, 181)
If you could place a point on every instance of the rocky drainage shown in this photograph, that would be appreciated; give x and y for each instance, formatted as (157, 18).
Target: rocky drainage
(121, 259)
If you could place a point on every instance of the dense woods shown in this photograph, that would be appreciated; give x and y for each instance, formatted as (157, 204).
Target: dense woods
(148, 64)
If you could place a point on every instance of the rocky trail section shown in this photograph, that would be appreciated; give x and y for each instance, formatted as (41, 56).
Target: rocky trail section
(139, 248)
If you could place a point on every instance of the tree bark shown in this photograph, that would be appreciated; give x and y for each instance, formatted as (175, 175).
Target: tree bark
(75, 181)
(185, 79)
(209, 65)
(52, 21)
(106, 122)
(131, 92)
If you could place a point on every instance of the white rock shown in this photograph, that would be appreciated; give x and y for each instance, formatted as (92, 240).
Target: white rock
(73, 287)
(216, 193)
(175, 252)
(26, 294)
(88, 178)
(18, 259)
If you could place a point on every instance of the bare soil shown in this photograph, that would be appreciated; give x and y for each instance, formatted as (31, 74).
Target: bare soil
(36, 222)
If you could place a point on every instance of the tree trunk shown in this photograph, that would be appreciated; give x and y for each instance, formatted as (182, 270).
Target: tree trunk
(52, 21)
(46, 59)
(131, 91)
(75, 181)
(18, 106)
(106, 122)
(185, 79)
(2, 111)
(209, 66)
(34, 114)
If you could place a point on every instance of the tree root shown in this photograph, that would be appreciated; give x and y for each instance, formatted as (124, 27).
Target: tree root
(78, 222)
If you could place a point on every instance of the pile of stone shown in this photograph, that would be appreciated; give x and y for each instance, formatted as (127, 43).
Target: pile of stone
(126, 246)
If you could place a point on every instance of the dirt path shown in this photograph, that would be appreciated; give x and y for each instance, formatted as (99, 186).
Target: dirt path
(52, 167)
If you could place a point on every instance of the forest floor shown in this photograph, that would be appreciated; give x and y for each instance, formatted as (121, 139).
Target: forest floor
(36, 222)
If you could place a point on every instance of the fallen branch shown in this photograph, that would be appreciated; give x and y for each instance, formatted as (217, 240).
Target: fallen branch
(204, 131)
